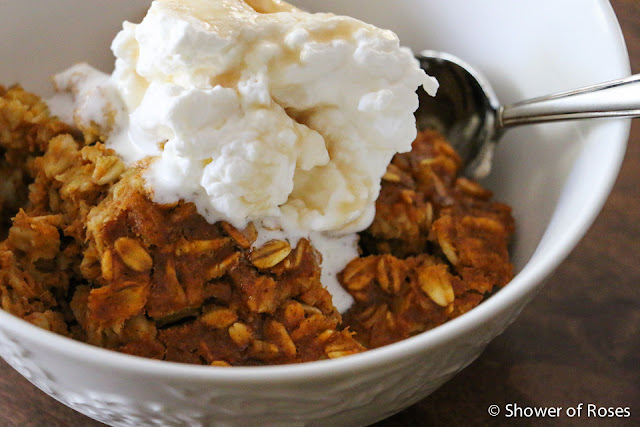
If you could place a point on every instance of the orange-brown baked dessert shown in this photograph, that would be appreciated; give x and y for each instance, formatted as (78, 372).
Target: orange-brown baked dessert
(437, 246)
(89, 255)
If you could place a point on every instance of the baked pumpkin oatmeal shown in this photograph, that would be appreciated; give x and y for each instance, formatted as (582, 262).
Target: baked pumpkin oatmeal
(437, 246)
(89, 254)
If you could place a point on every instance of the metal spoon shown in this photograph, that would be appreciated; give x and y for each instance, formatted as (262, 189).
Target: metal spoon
(467, 111)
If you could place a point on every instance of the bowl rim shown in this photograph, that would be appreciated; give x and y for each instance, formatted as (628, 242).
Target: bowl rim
(522, 285)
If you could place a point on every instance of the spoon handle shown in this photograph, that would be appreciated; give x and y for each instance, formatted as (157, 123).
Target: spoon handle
(617, 98)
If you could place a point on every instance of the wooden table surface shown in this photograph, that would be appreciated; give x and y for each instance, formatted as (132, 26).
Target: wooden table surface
(577, 342)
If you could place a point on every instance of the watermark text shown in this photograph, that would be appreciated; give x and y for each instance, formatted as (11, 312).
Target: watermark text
(580, 410)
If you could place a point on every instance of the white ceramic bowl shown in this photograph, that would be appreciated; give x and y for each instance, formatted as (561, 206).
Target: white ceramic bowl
(556, 177)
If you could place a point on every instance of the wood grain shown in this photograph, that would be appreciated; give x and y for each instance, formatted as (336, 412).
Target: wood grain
(578, 341)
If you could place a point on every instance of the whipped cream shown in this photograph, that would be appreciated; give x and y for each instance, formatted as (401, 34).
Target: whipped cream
(257, 111)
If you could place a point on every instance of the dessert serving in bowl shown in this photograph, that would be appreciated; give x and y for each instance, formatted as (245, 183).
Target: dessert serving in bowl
(260, 295)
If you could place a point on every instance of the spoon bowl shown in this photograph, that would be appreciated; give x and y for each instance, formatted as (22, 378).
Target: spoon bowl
(468, 113)
(464, 108)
